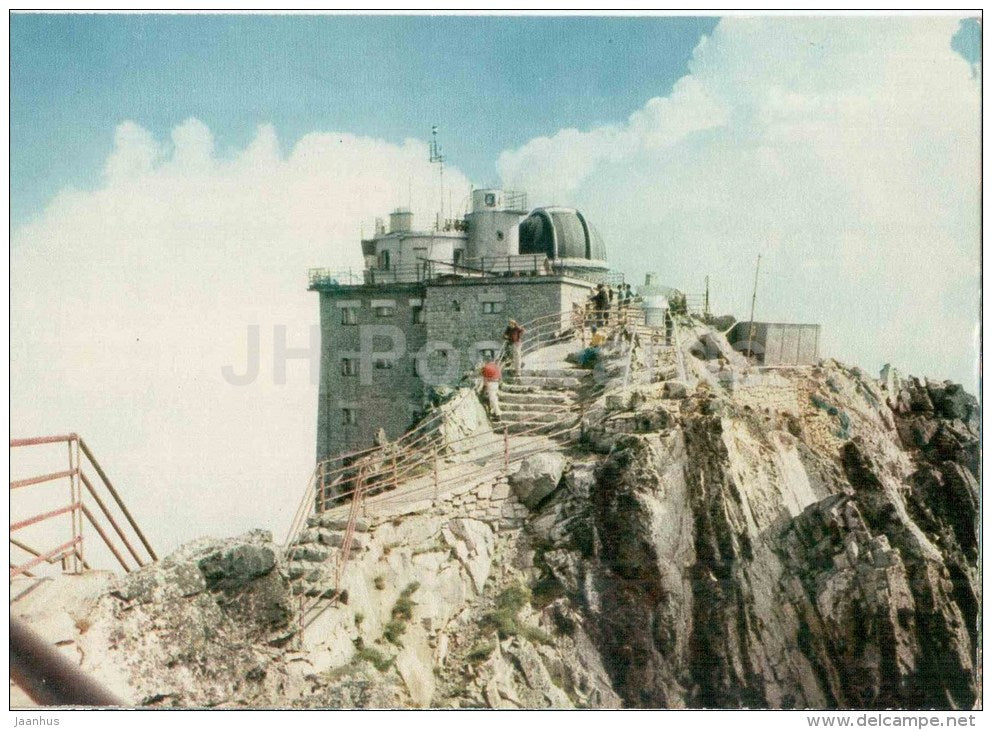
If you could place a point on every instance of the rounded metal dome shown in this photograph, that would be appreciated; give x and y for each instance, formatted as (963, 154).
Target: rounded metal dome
(561, 233)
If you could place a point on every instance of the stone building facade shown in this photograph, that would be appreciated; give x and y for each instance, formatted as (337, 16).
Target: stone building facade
(432, 305)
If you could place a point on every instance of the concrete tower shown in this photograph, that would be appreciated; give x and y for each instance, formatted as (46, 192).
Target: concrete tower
(492, 224)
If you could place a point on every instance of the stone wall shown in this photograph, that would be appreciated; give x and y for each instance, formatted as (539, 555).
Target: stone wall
(488, 498)
(461, 319)
(388, 398)
(766, 391)
(458, 313)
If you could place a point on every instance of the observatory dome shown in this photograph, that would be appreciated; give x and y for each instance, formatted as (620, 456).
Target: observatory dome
(561, 233)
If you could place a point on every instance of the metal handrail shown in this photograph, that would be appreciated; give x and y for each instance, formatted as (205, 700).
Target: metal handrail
(81, 460)
(47, 677)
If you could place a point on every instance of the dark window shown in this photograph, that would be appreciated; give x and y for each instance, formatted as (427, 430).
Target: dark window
(418, 315)
(384, 260)
(383, 364)
(487, 354)
(349, 366)
(492, 307)
(349, 415)
(491, 199)
(385, 310)
(349, 315)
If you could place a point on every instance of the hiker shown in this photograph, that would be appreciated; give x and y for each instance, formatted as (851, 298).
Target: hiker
(587, 358)
(491, 376)
(513, 335)
(626, 295)
(579, 322)
(601, 301)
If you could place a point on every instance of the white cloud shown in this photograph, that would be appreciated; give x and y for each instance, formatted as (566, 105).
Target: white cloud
(129, 299)
(845, 150)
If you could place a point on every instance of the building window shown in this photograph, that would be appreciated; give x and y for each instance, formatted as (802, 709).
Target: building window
(385, 310)
(349, 366)
(487, 354)
(499, 235)
(349, 416)
(349, 315)
(492, 307)
(456, 305)
(382, 364)
(459, 253)
(490, 199)
(418, 315)
(384, 260)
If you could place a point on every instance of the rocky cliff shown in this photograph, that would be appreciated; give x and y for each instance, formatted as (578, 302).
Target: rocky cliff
(795, 538)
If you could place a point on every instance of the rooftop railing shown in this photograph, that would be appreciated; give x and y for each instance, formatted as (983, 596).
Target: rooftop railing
(430, 269)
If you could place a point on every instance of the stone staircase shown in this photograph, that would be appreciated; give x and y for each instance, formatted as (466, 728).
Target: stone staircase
(313, 555)
(542, 395)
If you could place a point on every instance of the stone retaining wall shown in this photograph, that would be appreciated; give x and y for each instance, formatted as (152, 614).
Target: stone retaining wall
(489, 500)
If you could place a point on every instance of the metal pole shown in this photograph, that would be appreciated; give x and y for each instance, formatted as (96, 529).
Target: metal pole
(754, 296)
(435, 474)
(49, 678)
(506, 449)
(706, 307)
(323, 486)
(72, 515)
(113, 493)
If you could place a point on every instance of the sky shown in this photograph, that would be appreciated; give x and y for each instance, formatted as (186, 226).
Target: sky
(173, 177)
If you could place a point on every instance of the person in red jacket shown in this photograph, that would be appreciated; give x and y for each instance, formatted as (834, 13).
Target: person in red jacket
(514, 335)
(491, 375)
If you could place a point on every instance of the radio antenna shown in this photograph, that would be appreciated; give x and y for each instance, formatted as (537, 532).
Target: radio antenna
(437, 157)
(754, 296)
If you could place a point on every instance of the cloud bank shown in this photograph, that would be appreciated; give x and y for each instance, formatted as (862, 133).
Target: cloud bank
(130, 299)
(846, 151)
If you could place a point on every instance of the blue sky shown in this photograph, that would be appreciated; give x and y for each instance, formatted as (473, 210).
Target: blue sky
(490, 83)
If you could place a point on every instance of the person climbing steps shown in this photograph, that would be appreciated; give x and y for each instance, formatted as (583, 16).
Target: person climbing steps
(491, 376)
(514, 335)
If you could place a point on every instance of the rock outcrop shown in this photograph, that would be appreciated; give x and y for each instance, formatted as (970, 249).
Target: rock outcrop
(803, 540)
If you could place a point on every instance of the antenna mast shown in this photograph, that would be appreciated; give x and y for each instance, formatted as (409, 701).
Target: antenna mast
(754, 295)
(437, 157)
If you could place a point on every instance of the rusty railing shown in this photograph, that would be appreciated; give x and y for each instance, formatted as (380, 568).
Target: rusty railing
(123, 537)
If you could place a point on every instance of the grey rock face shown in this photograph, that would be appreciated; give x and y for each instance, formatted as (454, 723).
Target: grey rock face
(237, 566)
(538, 476)
(707, 550)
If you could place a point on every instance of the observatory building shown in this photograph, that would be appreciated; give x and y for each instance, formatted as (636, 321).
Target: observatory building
(430, 305)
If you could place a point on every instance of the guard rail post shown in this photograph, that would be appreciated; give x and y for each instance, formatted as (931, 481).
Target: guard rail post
(506, 449)
(435, 474)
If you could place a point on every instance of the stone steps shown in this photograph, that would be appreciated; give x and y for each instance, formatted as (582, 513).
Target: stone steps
(531, 428)
(566, 372)
(559, 383)
(554, 398)
(510, 417)
(533, 405)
